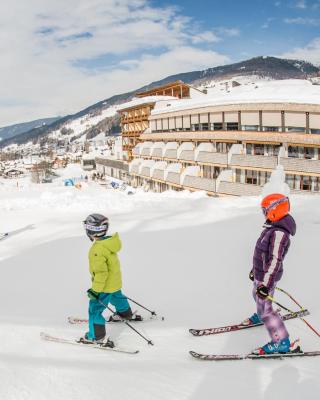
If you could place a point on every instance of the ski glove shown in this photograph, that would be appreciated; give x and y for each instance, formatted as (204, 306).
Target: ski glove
(251, 276)
(93, 295)
(262, 292)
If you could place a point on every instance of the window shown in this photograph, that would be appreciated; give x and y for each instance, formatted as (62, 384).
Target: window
(204, 126)
(217, 126)
(271, 129)
(251, 177)
(250, 127)
(223, 147)
(258, 149)
(306, 183)
(232, 126)
(293, 151)
(295, 129)
(238, 175)
(271, 150)
(195, 127)
(309, 153)
(316, 184)
(315, 131)
(249, 148)
(290, 181)
(210, 172)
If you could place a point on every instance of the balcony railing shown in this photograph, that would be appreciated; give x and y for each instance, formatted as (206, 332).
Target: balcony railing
(255, 161)
(146, 151)
(170, 153)
(239, 189)
(200, 183)
(212, 158)
(134, 169)
(300, 165)
(156, 152)
(173, 177)
(158, 174)
(187, 155)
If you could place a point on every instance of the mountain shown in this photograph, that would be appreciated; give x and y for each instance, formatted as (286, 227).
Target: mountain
(265, 67)
(8, 132)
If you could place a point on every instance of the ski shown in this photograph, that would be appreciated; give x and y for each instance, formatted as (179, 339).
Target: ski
(231, 357)
(79, 321)
(238, 327)
(3, 235)
(47, 337)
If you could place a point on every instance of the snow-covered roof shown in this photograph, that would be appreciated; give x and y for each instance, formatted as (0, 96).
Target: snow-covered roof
(138, 101)
(264, 91)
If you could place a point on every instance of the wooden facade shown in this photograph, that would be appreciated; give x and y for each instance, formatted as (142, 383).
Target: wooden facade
(135, 119)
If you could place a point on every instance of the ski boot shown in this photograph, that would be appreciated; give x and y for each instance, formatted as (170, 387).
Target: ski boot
(100, 342)
(108, 343)
(253, 320)
(86, 340)
(281, 347)
(124, 316)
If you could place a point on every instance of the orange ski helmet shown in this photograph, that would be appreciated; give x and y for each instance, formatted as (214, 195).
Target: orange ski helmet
(275, 206)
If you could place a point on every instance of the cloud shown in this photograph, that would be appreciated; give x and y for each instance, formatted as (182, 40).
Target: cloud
(48, 57)
(301, 4)
(266, 25)
(302, 21)
(311, 52)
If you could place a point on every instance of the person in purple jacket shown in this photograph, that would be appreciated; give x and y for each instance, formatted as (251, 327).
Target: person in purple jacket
(270, 251)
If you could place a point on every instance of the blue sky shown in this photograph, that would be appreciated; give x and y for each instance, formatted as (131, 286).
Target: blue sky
(63, 56)
(266, 27)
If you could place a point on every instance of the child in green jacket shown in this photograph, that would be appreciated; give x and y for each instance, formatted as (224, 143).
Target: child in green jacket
(106, 279)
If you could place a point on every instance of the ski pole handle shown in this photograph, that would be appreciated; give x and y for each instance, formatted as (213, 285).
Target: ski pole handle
(293, 313)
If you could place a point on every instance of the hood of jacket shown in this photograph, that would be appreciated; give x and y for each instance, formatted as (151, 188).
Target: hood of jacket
(287, 223)
(112, 243)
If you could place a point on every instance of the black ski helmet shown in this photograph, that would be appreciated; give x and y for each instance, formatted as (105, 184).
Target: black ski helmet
(96, 225)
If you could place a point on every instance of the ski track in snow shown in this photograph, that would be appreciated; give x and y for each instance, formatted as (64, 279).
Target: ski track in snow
(185, 255)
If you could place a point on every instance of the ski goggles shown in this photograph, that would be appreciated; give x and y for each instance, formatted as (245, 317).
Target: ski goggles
(94, 228)
(274, 204)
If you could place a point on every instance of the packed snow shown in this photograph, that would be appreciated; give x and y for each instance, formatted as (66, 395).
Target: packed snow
(186, 256)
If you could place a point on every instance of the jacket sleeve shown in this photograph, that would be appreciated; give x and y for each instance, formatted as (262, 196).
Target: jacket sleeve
(100, 272)
(277, 246)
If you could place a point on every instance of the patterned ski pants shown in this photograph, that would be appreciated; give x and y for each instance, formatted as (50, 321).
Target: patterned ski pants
(269, 317)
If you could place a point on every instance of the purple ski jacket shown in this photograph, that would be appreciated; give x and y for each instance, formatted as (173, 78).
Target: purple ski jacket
(270, 250)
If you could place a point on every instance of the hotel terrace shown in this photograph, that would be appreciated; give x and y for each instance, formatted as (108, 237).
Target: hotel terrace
(229, 145)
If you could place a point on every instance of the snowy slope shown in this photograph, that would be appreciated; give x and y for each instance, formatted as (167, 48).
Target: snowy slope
(80, 125)
(185, 255)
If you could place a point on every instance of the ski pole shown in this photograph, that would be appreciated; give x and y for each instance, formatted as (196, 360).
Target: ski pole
(291, 297)
(294, 313)
(140, 305)
(126, 322)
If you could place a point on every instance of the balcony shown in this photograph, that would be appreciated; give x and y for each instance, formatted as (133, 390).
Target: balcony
(300, 165)
(156, 152)
(158, 174)
(134, 169)
(171, 154)
(173, 177)
(239, 189)
(254, 161)
(187, 155)
(145, 171)
(196, 182)
(145, 151)
(209, 157)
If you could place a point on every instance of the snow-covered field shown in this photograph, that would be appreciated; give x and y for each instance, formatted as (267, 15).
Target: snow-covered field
(185, 255)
